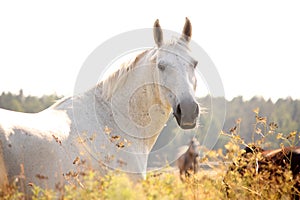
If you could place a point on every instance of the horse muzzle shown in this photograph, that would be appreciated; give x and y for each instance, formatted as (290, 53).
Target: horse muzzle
(186, 114)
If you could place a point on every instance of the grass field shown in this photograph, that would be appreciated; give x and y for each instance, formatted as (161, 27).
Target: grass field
(215, 183)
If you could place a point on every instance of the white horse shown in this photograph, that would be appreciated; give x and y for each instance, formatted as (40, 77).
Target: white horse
(113, 125)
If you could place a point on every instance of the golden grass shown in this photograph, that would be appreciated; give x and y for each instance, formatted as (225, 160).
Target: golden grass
(242, 181)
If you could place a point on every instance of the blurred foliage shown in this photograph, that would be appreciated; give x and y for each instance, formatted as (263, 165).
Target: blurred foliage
(284, 114)
(221, 181)
(29, 104)
(119, 186)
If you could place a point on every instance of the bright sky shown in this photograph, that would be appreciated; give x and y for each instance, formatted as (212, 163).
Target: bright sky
(255, 45)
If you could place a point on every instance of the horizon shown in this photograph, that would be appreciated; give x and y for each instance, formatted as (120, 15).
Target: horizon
(239, 96)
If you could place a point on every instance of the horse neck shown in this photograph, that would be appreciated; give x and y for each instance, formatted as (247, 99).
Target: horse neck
(137, 105)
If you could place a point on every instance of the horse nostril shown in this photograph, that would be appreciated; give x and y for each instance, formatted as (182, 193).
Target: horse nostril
(197, 110)
(178, 110)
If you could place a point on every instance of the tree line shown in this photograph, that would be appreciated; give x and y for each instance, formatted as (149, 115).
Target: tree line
(257, 118)
(29, 104)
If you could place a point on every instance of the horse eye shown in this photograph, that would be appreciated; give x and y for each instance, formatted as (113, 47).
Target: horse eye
(161, 67)
(195, 64)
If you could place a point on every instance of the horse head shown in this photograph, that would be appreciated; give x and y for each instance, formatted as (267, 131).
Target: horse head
(175, 70)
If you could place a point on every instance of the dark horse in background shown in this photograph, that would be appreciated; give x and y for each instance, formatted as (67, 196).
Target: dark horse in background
(286, 158)
(188, 162)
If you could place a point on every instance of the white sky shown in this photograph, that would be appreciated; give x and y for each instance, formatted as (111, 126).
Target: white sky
(255, 45)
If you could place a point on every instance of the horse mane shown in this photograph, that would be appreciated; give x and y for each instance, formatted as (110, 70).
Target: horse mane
(59, 102)
(112, 83)
(181, 43)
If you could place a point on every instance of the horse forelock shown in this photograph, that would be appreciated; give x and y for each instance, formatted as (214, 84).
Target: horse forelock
(178, 44)
(183, 44)
(180, 48)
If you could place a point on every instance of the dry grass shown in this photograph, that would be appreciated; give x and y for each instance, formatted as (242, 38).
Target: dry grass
(242, 181)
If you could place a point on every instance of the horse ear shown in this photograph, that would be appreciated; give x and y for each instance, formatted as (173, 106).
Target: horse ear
(187, 30)
(157, 33)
